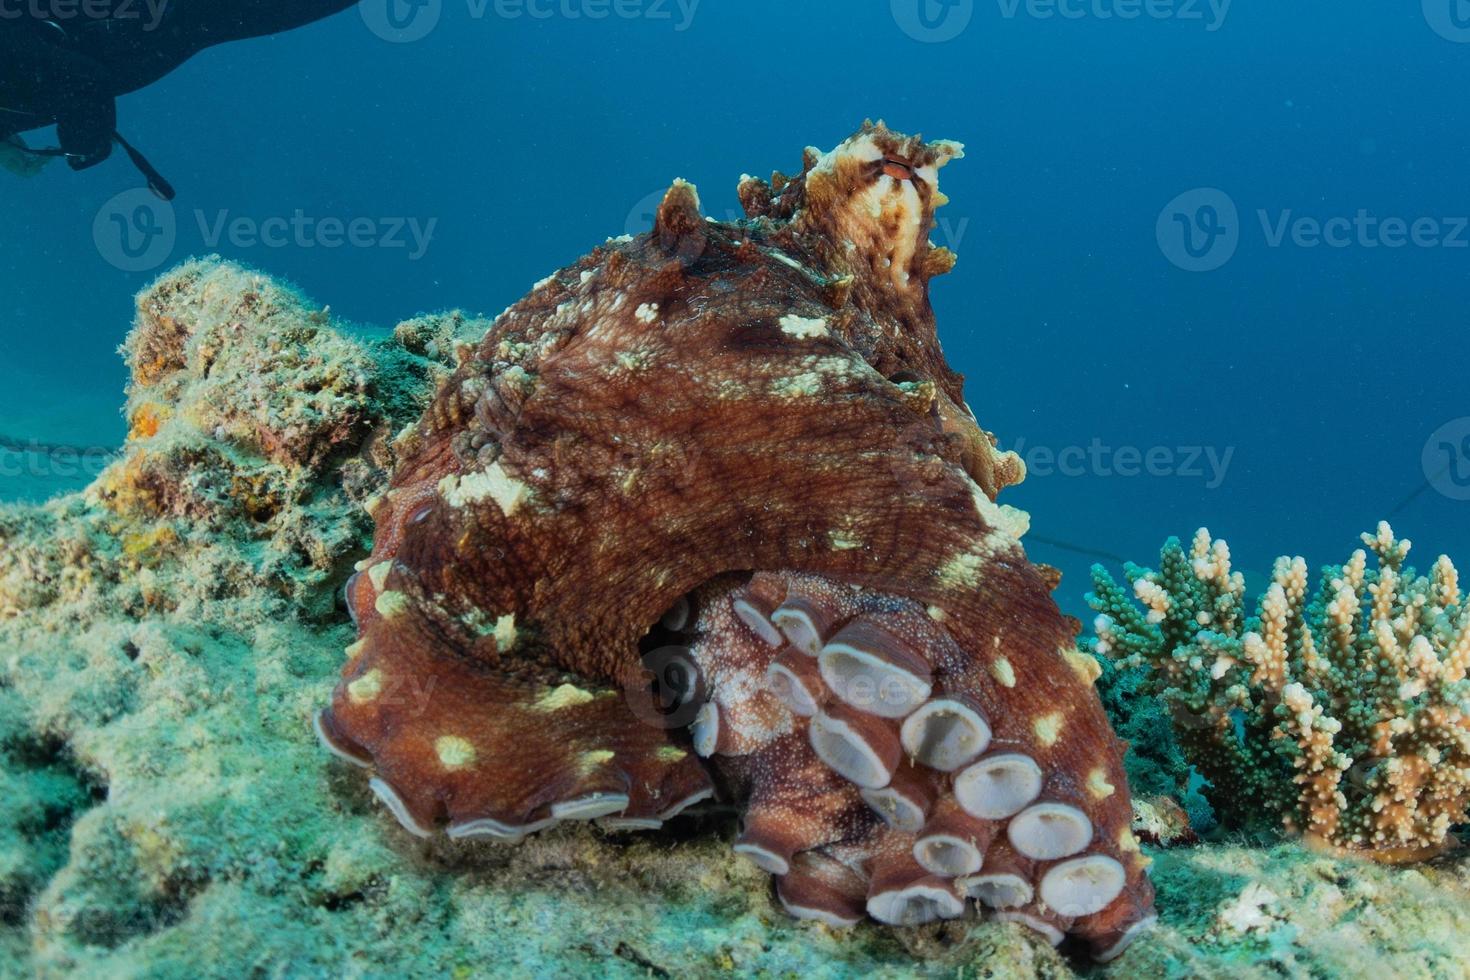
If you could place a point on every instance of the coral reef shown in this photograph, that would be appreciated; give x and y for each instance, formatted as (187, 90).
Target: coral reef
(241, 401)
(1157, 768)
(1344, 715)
(166, 812)
(740, 442)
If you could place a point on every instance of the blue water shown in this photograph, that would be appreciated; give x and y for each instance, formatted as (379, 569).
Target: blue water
(1316, 376)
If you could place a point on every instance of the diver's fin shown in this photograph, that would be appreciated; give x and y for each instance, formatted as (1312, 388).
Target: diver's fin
(156, 183)
(19, 159)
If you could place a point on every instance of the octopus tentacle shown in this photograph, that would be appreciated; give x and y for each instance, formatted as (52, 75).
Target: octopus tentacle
(821, 887)
(905, 803)
(1005, 878)
(958, 805)
(435, 735)
(903, 892)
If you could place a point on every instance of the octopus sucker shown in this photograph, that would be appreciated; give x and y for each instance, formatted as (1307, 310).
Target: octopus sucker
(707, 515)
(1005, 879)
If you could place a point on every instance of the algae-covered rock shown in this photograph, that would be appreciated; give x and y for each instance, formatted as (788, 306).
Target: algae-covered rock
(166, 812)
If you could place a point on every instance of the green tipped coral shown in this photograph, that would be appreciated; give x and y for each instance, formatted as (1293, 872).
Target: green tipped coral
(1344, 715)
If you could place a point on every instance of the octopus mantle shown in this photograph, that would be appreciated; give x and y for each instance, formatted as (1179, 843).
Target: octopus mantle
(730, 457)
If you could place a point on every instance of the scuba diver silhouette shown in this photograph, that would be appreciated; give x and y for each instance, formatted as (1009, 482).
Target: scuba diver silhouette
(69, 72)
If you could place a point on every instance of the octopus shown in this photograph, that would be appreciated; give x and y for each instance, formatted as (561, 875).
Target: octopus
(706, 516)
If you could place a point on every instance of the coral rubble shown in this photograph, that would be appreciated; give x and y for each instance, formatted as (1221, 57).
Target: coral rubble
(242, 401)
(1343, 715)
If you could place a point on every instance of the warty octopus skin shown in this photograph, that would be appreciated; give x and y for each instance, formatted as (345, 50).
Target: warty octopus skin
(706, 514)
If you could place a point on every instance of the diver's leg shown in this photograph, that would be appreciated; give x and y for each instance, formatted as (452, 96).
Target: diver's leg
(84, 130)
(256, 18)
(44, 83)
(138, 51)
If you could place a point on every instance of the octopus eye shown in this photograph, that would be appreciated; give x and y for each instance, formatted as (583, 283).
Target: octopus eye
(675, 678)
(897, 169)
(679, 616)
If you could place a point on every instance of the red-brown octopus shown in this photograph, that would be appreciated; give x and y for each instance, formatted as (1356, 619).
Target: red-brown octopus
(731, 455)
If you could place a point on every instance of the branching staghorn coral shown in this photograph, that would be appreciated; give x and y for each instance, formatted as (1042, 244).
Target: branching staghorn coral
(1344, 714)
